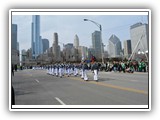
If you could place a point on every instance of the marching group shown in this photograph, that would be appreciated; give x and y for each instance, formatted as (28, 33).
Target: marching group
(75, 69)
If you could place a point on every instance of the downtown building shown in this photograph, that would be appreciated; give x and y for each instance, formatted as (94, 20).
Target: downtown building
(45, 44)
(127, 48)
(36, 43)
(139, 33)
(14, 45)
(114, 47)
(96, 44)
(69, 52)
(56, 48)
(76, 42)
(76, 48)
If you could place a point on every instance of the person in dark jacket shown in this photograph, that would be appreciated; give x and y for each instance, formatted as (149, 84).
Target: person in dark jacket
(85, 69)
(95, 69)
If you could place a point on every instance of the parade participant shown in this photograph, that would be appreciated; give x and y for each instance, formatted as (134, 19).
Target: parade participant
(48, 69)
(69, 70)
(82, 70)
(56, 70)
(95, 69)
(60, 70)
(75, 69)
(85, 69)
(52, 70)
(63, 69)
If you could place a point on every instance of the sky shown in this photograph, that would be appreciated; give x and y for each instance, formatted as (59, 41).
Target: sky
(67, 26)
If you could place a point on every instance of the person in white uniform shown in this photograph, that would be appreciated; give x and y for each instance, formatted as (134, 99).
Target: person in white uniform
(60, 70)
(85, 69)
(56, 70)
(95, 69)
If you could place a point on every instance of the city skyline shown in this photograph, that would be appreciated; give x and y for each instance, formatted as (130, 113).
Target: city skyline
(68, 26)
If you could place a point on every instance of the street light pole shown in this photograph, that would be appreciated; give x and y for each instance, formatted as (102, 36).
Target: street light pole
(100, 27)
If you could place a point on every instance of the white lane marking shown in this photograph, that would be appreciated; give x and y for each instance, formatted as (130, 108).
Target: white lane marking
(60, 101)
(37, 80)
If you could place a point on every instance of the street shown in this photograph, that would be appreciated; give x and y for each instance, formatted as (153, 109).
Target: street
(35, 87)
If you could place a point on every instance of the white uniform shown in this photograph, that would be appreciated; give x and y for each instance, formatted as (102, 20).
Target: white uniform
(85, 68)
(82, 73)
(60, 71)
(85, 75)
(95, 70)
(52, 70)
(95, 75)
(56, 70)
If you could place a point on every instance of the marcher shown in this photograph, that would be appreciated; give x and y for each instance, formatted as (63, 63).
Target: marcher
(95, 69)
(56, 70)
(60, 70)
(85, 69)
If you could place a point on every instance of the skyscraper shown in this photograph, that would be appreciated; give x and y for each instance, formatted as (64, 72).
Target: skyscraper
(45, 43)
(127, 48)
(14, 37)
(96, 43)
(140, 32)
(114, 46)
(76, 41)
(56, 47)
(14, 48)
(36, 38)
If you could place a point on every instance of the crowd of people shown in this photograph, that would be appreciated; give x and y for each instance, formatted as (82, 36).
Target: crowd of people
(81, 69)
(127, 66)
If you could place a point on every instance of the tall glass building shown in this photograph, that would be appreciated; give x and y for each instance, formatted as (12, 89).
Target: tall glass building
(96, 43)
(76, 42)
(14, 37)
(36, 38)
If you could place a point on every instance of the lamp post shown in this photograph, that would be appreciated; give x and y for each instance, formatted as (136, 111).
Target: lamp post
(100, 27)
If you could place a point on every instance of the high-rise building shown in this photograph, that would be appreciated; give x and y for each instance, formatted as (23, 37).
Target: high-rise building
(36, 38)
(83, 52)
(14, 37)
(96, 44)
(91, 53)
(139, 37)
(114, 46)
(127, 48)
(45, 43)
(23, 57)
(69, 52)
(14, 49)
(18, 46)
(76, 41)
(56, 48)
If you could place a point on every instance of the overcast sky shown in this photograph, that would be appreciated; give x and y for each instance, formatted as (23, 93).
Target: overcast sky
(67, 26)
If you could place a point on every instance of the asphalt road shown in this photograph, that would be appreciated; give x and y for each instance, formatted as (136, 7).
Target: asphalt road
(35, 87)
